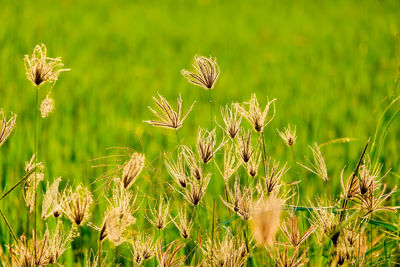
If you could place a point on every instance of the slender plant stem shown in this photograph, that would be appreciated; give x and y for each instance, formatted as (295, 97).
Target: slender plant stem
(8, 225)
(212, 232)
(210, 100)
(177, 137)
(35, 163)
(263, 152)
(99, 256)
(294, 162)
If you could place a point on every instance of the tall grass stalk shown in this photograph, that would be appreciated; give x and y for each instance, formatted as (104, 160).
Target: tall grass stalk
(35, 164)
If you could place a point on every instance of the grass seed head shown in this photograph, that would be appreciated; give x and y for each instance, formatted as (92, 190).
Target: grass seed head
(52, 200)
(132, 169)
(206, 72)
(169, 257)
(232, 120)
(40, 68)
(183, 224)
(77, 204)
(47, 106)
(253, 113)
(6, 126)
(168, 117)
(32, 181)
(265, 220)
(240, 200)
(159, 215)
(196, 190)
(245, 149)
(206, 141)
(288, 135)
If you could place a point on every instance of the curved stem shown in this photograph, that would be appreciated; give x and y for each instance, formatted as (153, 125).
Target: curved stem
(35, 163)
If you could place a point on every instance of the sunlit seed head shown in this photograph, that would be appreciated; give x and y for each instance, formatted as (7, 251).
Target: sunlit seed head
(167, 116)
(206, 142)
(40, 68)
(132, 169)
(77, 204)
(47, 106)
(232, 120)
(288, 135)
(252, 112)
(6, 126)
(245, 149)
(35, 172)
(206, 72)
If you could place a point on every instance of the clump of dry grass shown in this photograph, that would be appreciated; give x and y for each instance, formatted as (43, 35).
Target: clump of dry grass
(7, 126)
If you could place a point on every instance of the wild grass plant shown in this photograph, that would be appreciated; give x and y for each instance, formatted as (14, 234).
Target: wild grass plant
(222, 200)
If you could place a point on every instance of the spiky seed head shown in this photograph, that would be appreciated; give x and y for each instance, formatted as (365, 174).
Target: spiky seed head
(77, 204)
(257, 118)
(36, 170)
(132, 169)
(265, 219)
(183, 224)
(193, 163)
(288, 135)
(52, 200)
(169, 257)
(206, 141)
(274, 173)
(240, 200)
(232, 120)
(143, 248)
(40, 68)
(196, 189)
(245, 149)
(177, 170)
(159, 215)
(47, 106)
(168, 117)
(318, 165)
(253, 164)
(206, 72)
(6, 126)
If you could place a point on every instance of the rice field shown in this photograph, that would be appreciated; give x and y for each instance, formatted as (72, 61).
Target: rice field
(202, 133)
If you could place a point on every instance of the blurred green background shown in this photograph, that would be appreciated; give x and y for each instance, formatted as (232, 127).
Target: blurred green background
(329, 64)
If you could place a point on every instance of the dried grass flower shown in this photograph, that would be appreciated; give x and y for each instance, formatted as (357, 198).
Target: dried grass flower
(229, 251)
(32, 181)
(132, 169)
(285, 258)
(244, 148)
(159, 215)
(288, 135)
(274, 173)
(183, 224)
(196, 190)
(6, 126)
(40, 68)
(257, 118)
(193, 163)
(52, 200)
(231, 164)
(318, 167)
(240, 200)
(326, 220)
(47, 106)
(143, 248)
(169, 258)
(206, 142)
(58, 242)
(265, 219)
(206, 72)
(232, 120)
(119, 216)
(168, 117)
(290, 228)
(371, 203)
(253, 164)
(177, 170)
(77, 204)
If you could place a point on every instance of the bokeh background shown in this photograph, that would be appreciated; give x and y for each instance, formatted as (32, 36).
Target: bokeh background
(329, 64)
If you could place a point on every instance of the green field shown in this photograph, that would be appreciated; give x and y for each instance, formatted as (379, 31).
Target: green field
(331, 65)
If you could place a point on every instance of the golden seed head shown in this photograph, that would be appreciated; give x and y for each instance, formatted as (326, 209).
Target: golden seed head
(36, 175)
(240, 200)
(318, 166)
(253, 164)
(77, 204)
(169, 257)
(206, 72)
(52, 200)
(40, 68)
(274, 173)
(245, 149)
(230, 162)
(119, 216)
(6, 126)
(284, 258)
(193, 163)
(288, 135)
(206, 141)
(232, 120)
(196, 189)
(228, 251)
(47, 106)
(257, 118)
(132, 169)
(143, 248)
(168, 117)
(265, 219)
(159, 215)
(177, 170)
(183, 224)
(290, 228)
